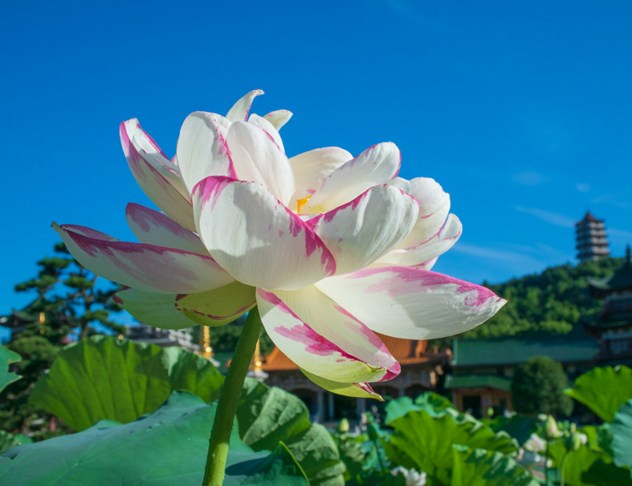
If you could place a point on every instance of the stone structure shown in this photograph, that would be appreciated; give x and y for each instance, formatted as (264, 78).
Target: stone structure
(591, 239)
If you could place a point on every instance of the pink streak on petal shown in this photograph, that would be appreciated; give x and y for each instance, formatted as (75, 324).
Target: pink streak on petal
(212, 187)
(142, 216)
(408, 278)
(304, 334)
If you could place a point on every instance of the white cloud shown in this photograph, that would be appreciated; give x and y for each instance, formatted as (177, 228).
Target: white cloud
(550, 217)
(529, 178)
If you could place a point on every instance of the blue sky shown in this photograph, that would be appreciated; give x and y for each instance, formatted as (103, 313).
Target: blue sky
(521, 110)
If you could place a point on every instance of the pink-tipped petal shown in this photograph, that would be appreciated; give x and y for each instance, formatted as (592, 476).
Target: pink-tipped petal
(376, 165)
(202, 149)
(278, 118)
(144, 267)
(256, 238)
(411, 303)
(323, 338)
(240, 110)
(426, 253)
(158, 176)
(312, 167)
(363, 230)
(155, 228)
(257, 157)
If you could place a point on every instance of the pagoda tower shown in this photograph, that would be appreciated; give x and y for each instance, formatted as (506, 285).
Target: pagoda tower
(613, 325)
(591, 238)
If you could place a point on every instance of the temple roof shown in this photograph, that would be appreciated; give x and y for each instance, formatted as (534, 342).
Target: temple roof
(513, 350)
(620, 280)
(406, 351)
(589, 218)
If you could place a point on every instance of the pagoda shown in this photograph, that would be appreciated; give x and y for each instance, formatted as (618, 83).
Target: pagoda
(591, 238)
(613, 325)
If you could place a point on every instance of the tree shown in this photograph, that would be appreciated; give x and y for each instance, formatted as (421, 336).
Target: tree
(68, 304)
(538, 387)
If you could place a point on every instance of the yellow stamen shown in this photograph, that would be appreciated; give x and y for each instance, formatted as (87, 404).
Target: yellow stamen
(300, 203)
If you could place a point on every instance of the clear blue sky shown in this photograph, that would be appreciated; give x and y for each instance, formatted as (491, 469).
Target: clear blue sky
(521, 110)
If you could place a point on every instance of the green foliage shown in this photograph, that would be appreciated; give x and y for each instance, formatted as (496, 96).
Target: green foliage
(430, 402)
(478, 467)
(8, 441)
(267, 415)
(7, 357)
(165, 448)
(423, 441)
(538, 387)
(102, 378)
(520, 427)
(622, 435)
(553, 301)
(603, 390)
(105, 378)
(573, 463)
(603, 473)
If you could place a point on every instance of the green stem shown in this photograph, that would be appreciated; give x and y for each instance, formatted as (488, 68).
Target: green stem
(562, 478)
(229, 397)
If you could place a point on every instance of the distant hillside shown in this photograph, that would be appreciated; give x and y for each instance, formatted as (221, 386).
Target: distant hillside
(554, 301)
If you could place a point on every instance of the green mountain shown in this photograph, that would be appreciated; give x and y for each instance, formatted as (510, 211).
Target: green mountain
(555, 301)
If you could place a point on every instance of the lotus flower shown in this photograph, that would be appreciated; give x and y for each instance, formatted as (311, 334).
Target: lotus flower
(331, 248)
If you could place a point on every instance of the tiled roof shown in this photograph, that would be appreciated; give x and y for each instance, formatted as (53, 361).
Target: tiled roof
(513, 350)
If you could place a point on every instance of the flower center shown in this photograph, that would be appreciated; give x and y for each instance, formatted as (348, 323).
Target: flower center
(300, 203)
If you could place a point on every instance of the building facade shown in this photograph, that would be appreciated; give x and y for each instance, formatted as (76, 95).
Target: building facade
(422, 370)
(591, 239)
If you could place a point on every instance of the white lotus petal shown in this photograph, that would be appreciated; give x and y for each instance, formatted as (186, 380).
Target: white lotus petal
(411, 303)
(155, 228)
(312, 167)
(322, 338)
(260, 241)
(363, 230)
(157, 310)
(156, 174)
(239, 111)
(202, 149)
(256, 157)
(356, 390)
(278, 118)
(425, 254)
(376, 165)
(434, 207)
(142, 266)
(268, 128)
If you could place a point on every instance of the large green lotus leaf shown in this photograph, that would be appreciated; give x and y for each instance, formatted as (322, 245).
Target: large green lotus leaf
(432, 403)
(621, 429)
(575, 463)
(7, 357)
(603, 390)
(165, 448)
(478, 467)
(189, 372)
(520, 427)
(424, 442)
(106, 378)
(267, 415)
(602, 473)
